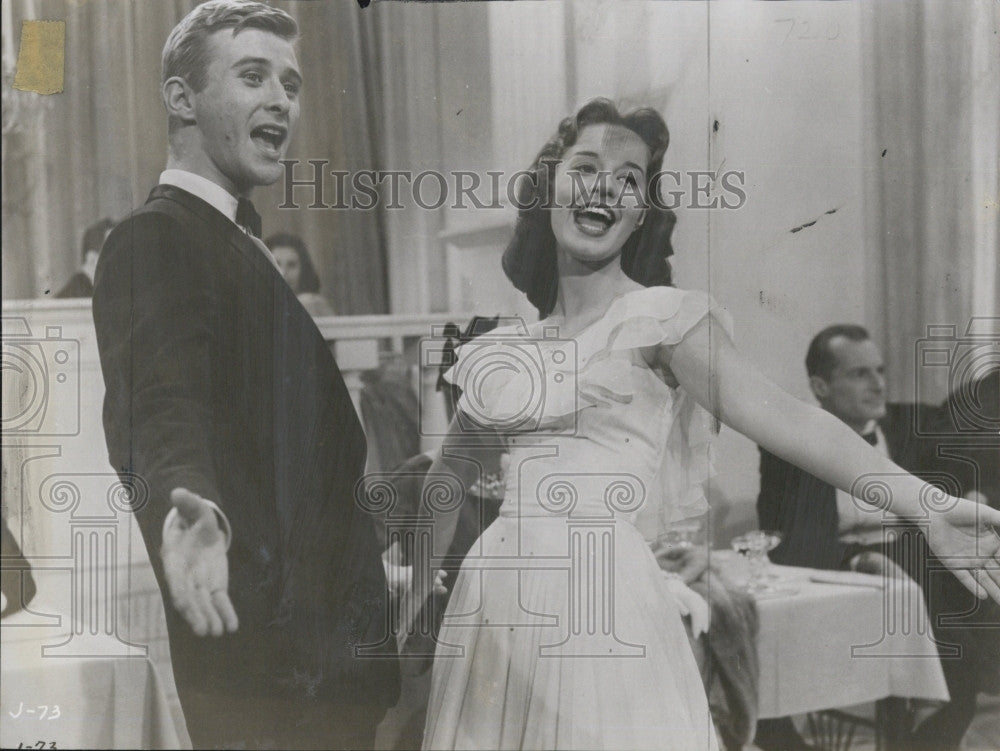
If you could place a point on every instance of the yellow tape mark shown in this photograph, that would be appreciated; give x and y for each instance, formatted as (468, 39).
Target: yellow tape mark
(42, 57)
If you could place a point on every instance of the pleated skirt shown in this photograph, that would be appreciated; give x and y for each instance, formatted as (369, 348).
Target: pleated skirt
(564, 636)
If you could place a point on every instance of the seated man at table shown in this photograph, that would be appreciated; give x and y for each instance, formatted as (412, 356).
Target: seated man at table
(823, 527)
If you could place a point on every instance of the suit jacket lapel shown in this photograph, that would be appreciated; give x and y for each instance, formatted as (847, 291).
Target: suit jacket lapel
(237, 240)
(228, 232)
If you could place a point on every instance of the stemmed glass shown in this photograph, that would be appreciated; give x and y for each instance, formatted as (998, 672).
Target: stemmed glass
(772, 538)
(755, 546)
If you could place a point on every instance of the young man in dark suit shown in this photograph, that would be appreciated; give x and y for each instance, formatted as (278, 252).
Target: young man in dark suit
(823, 527)
(227, 413)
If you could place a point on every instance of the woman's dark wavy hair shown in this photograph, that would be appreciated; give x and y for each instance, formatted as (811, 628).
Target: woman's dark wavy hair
(308, 278)
(530, 258)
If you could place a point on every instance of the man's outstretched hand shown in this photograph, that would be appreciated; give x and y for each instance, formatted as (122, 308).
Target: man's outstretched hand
(195, 565)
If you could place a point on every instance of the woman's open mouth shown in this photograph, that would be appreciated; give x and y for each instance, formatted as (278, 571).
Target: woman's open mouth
(594, 221)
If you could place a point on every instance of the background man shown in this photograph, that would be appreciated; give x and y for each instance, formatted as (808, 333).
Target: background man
(822, 527)
(223, 401)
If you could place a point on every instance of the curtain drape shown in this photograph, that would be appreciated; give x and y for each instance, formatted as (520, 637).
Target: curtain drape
(933, 140)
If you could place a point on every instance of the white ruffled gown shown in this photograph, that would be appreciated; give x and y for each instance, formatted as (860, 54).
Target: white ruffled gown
(560, 632)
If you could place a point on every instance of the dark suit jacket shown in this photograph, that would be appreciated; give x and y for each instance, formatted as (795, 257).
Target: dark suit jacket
(804, 508)
(217, 380)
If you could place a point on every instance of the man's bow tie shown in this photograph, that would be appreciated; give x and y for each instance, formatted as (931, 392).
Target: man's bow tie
(247, 216)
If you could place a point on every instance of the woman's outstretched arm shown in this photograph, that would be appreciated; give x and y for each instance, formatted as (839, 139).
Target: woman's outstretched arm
(708, 366)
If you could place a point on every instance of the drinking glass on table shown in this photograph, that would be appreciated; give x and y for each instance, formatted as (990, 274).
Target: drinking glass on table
(772, 538)
(755, 546)
(741, 544)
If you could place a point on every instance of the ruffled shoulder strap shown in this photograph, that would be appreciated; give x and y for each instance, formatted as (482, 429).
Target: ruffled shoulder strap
(664, 316)
(659, 315)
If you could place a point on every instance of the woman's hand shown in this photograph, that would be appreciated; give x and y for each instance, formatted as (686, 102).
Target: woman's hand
(687, 562)
(690, 603)
(398, 577)
(966, 537)
(439, 586)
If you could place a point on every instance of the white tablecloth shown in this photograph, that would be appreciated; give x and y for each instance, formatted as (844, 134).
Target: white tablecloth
(835, 645)
(114, 700)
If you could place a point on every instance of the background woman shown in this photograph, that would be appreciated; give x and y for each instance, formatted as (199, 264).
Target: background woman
(296, 266)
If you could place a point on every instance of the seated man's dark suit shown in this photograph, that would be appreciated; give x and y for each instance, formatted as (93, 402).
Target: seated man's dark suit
(217, 380)
(804, 509)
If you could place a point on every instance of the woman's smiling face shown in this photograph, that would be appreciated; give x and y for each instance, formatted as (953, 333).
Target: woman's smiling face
(599, 192)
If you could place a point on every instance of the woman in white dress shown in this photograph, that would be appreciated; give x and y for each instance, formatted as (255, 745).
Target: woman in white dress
(562, 632)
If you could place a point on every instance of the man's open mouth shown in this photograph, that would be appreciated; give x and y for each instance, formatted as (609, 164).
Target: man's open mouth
(270, 137)
(594, 220)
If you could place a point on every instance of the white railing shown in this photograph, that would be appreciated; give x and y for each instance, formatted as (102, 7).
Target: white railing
(360, 344)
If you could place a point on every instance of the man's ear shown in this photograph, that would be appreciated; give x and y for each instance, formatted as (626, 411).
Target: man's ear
(178, 98)
(820, 388)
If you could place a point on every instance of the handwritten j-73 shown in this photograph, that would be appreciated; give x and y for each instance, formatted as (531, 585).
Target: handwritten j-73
(43, 711)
